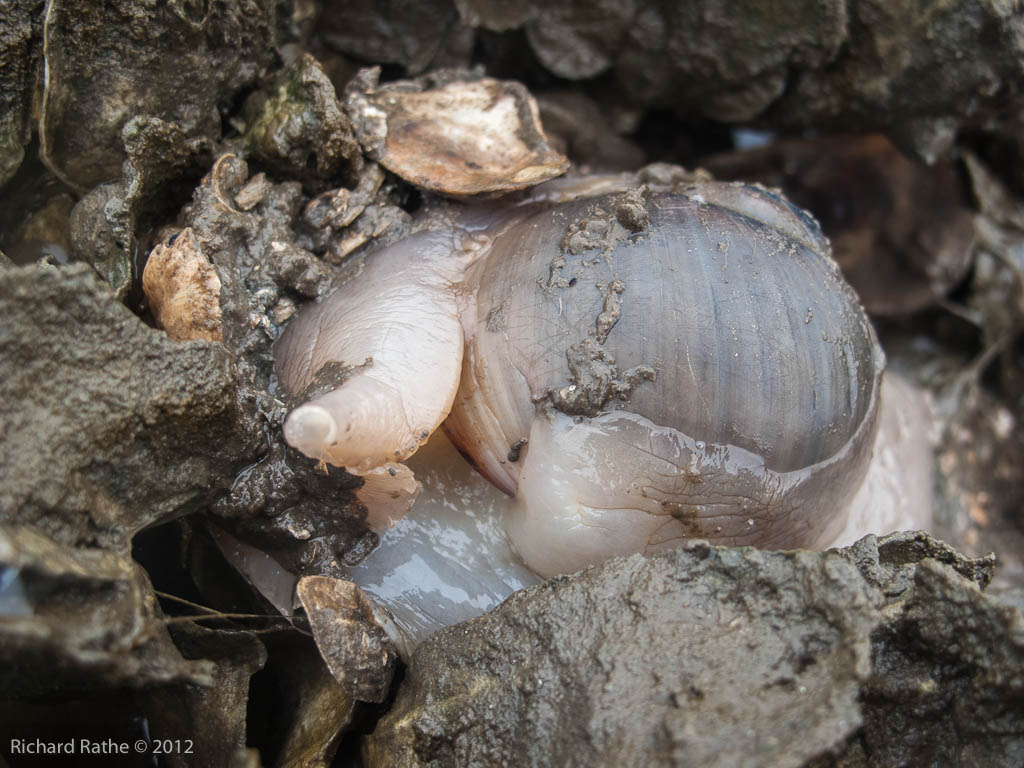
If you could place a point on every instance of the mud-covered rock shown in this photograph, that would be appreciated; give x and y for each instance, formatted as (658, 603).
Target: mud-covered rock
(408, 32)
(213, 717)
(726, 63)
(948, 683)
(241, 244)
(20, 58)
(300, 130)
(851, 66)
(48, 228)
(883, 653)
(947, 686)
(92, 234)
(87, 612)
(305, 517)
(103, 69)
(315, 708)
(338, 222)
(89, 629)
(109, 426)
(695, 656)
(957, 65)
(44, 237)
(108, 223)
(890, 562)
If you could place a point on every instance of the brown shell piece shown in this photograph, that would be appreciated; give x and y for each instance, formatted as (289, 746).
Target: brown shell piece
(462, 138)
(355, 648)
(183, 289)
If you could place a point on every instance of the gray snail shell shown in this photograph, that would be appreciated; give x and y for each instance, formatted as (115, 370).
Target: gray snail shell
(635, 367)
(716, 316)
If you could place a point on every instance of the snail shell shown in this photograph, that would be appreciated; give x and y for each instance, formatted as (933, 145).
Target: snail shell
(636, 368)
(697, 357)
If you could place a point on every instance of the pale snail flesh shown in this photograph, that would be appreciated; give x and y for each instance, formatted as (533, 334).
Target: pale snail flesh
(636, 367)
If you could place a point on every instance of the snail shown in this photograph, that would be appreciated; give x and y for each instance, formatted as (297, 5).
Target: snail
(634, 362)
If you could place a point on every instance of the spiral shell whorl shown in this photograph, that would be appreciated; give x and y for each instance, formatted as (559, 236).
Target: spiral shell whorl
(752, 335)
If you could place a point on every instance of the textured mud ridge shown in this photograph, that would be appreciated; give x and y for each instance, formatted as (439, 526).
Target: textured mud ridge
(102, 414)
(726, 656)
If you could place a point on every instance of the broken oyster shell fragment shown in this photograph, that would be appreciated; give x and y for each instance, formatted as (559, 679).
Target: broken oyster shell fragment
(183, 289)
(457, 137)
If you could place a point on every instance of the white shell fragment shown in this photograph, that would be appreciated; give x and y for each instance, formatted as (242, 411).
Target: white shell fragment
(461, 138)
(183, 289)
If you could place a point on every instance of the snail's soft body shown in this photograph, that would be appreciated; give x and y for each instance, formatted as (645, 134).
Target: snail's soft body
(635, 367)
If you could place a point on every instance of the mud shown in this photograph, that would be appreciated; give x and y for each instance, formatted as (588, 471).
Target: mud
(20, 58)
(109, 425)
(730, 656)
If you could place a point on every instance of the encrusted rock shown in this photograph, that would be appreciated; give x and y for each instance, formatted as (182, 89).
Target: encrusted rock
(707, 655)
(102, 69)
(20, 56)
(696, 656)
(116, 426)
(105, 221)
(406, 32)
(947, 686)
(729, 65)
(109, 631)
(792, 64)
(316, 707)
(301, 131)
